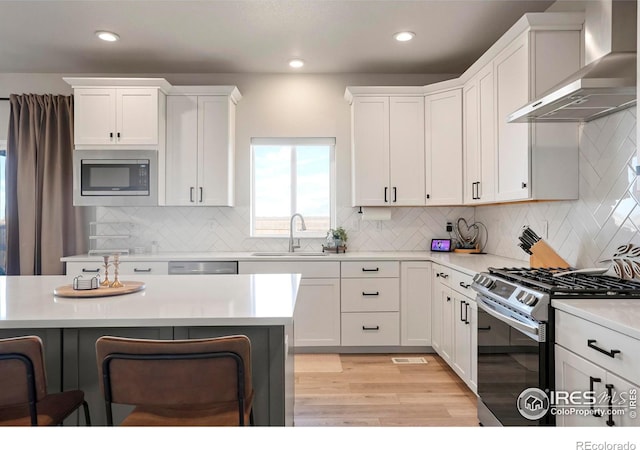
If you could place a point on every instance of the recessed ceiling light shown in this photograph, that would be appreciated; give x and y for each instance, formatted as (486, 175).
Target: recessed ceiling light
(296, 63)
(404, 36)
(107, 36)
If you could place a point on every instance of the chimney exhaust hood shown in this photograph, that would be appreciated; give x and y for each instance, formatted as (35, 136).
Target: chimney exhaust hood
(605, 85)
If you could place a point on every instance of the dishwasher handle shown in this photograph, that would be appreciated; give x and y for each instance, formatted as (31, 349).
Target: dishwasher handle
(203, 267)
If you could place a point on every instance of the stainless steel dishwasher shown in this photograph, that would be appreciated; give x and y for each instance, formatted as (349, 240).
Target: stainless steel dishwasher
(203, 267)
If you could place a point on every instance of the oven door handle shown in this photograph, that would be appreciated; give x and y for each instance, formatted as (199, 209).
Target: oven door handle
(528, 330)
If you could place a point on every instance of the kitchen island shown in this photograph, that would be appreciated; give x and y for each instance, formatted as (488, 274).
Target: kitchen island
(170, 307)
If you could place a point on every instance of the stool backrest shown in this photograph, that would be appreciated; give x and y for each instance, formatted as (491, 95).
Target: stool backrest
(174, 373)
(17, 356)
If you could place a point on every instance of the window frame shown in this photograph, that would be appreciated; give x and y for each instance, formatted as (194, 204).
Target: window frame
(294, 142)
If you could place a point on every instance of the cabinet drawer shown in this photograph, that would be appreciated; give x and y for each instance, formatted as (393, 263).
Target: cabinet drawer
(378, 328)
(461, 282)
(585, 338)
(370, 269)
(324, 269)
(74, 269)
(370, 294)
(442, 274)
(143, 268)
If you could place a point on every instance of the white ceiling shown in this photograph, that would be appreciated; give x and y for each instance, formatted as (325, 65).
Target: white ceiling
(252, 36)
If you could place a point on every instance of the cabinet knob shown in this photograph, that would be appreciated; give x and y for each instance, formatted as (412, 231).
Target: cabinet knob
(524, 185)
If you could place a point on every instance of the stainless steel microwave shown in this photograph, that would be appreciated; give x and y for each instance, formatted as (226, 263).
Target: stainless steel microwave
(115, 178)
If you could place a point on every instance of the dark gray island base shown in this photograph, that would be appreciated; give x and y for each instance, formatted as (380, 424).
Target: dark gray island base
(70, 333)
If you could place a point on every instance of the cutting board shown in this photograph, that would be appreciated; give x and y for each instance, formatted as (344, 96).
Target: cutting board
(128, 288)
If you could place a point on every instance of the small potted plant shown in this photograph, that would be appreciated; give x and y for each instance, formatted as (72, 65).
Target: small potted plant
(336, 240)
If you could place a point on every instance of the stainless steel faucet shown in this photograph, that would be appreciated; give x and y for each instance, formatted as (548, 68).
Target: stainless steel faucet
(292, 247)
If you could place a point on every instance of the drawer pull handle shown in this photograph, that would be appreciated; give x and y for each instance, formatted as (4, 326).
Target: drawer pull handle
(376, 328)
(487, 328)
(90, 270)
(371, 294)
(444, 275)
(611, 353)
(593, 380)
(377, 269)
(466, 286)
(142, 270)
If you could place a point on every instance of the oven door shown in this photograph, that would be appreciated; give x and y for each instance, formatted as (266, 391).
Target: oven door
(512, 356)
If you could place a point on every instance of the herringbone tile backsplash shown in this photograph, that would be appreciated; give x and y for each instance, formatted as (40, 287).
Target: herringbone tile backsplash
(582, 231)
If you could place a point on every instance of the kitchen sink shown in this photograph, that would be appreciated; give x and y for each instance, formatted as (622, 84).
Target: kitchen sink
(289, 254)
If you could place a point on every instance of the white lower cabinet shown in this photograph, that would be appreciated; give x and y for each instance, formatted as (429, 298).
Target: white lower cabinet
(591, 357)
(454, 323)
(316, 317)
(317, 314)
(415, 303)
(128, 269)
(370, 329)
(370, 294)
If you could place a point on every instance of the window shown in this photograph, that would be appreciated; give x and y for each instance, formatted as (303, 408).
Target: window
(292, 175)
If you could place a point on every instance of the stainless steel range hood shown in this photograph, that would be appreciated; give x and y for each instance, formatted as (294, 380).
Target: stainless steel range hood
(605, 85)
(602, 87)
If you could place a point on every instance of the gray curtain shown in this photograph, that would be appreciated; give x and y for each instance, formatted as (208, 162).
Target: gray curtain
(42, 223)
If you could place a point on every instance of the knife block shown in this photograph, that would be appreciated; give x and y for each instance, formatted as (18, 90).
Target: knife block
(544, 257)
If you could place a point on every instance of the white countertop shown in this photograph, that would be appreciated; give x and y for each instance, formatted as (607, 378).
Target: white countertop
(469, 263)
(175, 300)
(622, 316)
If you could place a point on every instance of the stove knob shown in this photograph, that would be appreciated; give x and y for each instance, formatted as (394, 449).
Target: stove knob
(521, 295)
(488, 283)
(530, 300)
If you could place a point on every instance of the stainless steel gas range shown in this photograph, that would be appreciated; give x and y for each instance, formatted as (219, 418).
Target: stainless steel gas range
(516, 333)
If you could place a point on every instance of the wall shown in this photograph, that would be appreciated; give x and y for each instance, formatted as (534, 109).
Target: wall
(273, 105)
(606, 215)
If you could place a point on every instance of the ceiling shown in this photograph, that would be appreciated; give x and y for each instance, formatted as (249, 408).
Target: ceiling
(252, 36)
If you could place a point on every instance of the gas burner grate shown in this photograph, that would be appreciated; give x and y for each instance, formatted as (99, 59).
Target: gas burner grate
(582, 284)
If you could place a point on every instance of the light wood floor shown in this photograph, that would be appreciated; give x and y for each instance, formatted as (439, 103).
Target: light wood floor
(370, 390)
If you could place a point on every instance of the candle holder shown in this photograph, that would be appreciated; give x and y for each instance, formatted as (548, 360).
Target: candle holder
(106, 282)
(116, 264)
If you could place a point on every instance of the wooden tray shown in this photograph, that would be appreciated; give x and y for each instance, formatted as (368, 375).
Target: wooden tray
(128, 288)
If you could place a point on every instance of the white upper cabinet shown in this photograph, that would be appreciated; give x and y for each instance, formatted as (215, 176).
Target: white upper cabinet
(387, 150)
(200, 148)
(535, 161)
(443, 148)
(479, 138)
(127, 113)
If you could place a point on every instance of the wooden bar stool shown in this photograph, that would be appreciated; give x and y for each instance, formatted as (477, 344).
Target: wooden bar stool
(195, 382)
(23, 387)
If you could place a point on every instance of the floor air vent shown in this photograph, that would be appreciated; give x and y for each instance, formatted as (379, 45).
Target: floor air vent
(408, 360)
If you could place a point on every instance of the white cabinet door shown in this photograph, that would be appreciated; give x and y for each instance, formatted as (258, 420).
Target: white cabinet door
(94, 116)
(511, 70)
(406, 134)
(462, 338)
(436, 310)
(370, 151)
(200, 149)
(479, 148)
(116, 117)
(448, 332)
(182, 150)
(137, 116)
(443, 148)
(573, 373)
(316, 319)
(415, 303)
(216, 150)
